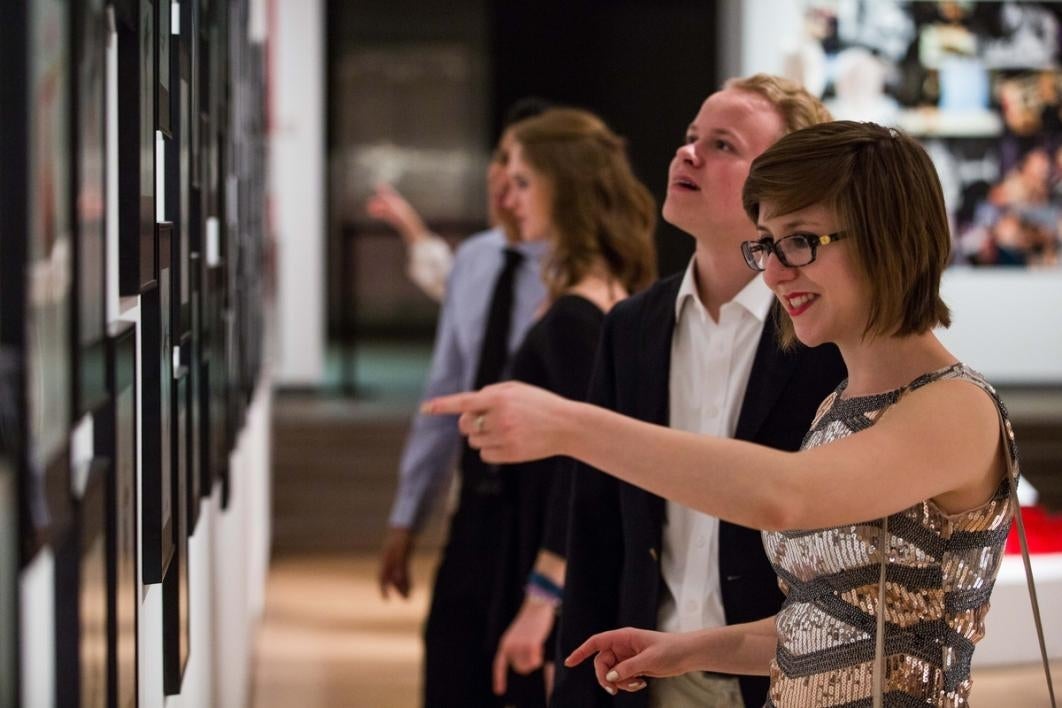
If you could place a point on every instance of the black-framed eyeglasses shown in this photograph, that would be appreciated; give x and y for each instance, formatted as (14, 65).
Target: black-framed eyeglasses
(792, 251)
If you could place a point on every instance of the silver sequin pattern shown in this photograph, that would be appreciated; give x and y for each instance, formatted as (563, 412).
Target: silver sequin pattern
(940, 570)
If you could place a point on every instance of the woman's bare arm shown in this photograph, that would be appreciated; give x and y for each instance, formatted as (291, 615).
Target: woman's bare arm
(941, 442)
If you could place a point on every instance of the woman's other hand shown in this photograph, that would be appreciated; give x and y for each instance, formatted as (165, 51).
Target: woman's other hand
(623, 658)
(523, 644)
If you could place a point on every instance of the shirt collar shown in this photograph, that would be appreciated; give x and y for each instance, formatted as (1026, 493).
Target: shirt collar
(755, 298)
(531, 250)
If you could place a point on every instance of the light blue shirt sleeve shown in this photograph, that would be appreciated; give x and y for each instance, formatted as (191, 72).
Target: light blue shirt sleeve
(431, 448)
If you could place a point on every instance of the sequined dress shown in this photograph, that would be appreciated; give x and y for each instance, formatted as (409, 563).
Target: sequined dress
(939, 574)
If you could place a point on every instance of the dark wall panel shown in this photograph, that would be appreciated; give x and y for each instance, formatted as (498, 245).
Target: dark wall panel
(645, 67)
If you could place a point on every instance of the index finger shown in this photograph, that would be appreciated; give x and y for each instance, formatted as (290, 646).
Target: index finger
(453, 404)
(501, 671)
(585, 650)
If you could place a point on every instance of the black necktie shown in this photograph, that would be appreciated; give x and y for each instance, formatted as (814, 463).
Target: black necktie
(493, 355)
(495, 350)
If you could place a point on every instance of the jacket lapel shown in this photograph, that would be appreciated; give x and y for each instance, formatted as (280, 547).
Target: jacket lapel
(771, 370)
(654, 370)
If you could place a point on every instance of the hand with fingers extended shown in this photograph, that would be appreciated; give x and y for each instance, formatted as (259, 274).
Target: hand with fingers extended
(523, 645)
(387, 205)
(624, 658)
(508, 422)
(394, 562)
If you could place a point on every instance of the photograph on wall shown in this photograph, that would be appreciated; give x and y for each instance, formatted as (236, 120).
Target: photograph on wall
(49, 267)
(978, 83)
(148, 104)
(176, 627)
(115, 433)
(91, 47)
(9, 565)
(163, 7)
(157, 439)
(93, 590)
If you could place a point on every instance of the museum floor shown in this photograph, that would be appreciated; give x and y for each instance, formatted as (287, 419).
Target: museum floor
(327, 638)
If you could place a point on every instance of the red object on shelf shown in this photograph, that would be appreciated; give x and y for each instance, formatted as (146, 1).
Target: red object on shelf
(1044, 531)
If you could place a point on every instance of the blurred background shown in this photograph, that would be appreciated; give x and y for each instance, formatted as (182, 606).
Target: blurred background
(413, 94)
(327, 342)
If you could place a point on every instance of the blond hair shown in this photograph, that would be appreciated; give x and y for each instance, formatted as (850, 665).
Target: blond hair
(798, 108)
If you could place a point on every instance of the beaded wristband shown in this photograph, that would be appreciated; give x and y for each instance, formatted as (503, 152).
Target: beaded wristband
(541, 588)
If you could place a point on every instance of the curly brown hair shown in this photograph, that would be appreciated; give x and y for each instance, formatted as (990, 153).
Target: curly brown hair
(600, 210)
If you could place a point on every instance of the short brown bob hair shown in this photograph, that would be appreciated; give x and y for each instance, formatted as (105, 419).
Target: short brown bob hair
(600, 209)
(886, 194)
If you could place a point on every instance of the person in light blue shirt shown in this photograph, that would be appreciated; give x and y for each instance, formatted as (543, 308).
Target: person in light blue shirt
(457, 660)
(433, 443)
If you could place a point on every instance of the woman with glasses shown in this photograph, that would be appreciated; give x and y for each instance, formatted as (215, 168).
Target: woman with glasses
(887, 528)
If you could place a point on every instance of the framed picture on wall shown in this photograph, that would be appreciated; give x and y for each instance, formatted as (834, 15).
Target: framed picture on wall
(183, 194)
(201, 398)
(156, 397)
(175, 620)
(90, 48)
(93, 592)
(9, 568)
(137, 66)
(13, 205)
(81, 595)
(191, 42)
(165, 73)
(115, 432)
(219, 380)
(48, 273)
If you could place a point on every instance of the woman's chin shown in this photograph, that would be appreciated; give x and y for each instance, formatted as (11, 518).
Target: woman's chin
(809, 339)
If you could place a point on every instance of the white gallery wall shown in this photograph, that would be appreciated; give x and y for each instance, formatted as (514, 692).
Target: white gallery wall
(228, 552)
(297, 186)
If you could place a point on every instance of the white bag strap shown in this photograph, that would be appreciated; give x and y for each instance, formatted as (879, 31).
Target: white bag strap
(1028, 565)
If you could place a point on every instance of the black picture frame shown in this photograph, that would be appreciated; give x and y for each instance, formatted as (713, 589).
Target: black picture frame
(81, 594)
(195, 398)
(176, 627)
(218, 376)
(115, 438)
(164, 10)
(93, 590)
(201, 388)
(13, 204)
(192, 41)
(9, 567)
(137, 66)
(90, 189)
(156, 397)
(47, 355)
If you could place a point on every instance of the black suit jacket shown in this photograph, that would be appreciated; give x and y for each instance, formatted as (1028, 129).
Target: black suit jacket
(615, 533)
